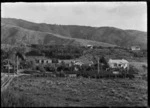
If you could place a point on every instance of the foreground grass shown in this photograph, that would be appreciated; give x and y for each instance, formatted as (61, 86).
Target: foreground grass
(10, 99)
(28, 91)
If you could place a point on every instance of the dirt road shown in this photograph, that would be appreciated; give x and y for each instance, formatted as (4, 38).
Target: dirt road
(5, 80)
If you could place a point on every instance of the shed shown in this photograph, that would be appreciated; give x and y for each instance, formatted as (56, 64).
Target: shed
(133, 48)
(90, 46)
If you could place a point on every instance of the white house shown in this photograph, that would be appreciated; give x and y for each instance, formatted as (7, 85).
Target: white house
(117, 63)
(42, 60)
(133, 48)
(90, 46)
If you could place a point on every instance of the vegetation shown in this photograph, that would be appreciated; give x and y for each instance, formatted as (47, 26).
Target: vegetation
(40, 68)
(133, 70)
(56, 51)
(33, 91)
(10, 99)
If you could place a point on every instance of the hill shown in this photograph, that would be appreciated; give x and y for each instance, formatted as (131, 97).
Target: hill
(111, 35)
(14, 34)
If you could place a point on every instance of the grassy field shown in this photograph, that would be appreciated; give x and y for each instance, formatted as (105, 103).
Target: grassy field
(27, 91)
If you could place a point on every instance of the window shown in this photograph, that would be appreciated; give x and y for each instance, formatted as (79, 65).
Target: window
(119, 65)
(42, 61)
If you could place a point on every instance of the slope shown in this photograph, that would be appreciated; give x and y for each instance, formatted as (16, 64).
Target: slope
(13, 34)
(111, 35)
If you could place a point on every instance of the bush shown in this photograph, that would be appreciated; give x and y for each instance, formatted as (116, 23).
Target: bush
(132, 70)
(49, 68)
(144, 66)
(41, 68)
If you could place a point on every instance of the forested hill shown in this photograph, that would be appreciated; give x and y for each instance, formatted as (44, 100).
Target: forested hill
(110, 35)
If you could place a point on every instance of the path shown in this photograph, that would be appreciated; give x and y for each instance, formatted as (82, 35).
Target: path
(7, 78)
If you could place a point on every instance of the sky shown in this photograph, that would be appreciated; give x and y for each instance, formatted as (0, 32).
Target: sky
(124, 15)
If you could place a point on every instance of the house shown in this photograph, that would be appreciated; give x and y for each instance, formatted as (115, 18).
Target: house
(66, 62)
(90, 46)
(40, 59)
(133, 48)
(117, 63)
(44, 61)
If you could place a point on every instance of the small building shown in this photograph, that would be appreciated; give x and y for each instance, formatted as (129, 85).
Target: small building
(90, 46)
(117, 63)
(133, 48)
(40, 59)
(66, 62)
(44, 61)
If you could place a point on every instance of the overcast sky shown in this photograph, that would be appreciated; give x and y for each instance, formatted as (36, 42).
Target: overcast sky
(124, 15)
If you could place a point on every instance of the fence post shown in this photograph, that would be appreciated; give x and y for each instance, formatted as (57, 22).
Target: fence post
(8, 68)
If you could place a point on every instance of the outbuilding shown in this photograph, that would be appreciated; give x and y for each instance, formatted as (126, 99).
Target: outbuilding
(135, 48)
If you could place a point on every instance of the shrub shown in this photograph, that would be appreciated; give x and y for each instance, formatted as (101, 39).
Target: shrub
(144, 66)
(41, 68)
(132, 70)
(49, 68)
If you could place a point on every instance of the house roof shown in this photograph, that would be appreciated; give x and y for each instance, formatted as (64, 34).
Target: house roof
(67, 61)
(84, 60)
(38, 57)
(89, 45)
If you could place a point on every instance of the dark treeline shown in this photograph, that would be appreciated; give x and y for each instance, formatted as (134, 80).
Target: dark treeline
(56, 51)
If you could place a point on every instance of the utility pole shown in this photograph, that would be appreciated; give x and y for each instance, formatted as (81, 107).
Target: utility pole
(14, 69)
(8, 68)
(98, 65)
(17, 65)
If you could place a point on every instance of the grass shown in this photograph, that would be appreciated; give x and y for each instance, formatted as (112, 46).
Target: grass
(28, 91)
(10, 99)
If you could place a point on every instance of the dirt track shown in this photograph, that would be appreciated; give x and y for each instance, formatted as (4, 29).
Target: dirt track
(6, 79)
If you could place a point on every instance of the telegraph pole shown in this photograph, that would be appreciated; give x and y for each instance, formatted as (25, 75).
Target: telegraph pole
(8, 68)
(17, 65)
(98, 65)
(14, 69)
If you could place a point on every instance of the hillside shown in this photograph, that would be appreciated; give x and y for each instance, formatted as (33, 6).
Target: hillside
(14, 34)
(111, 35)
